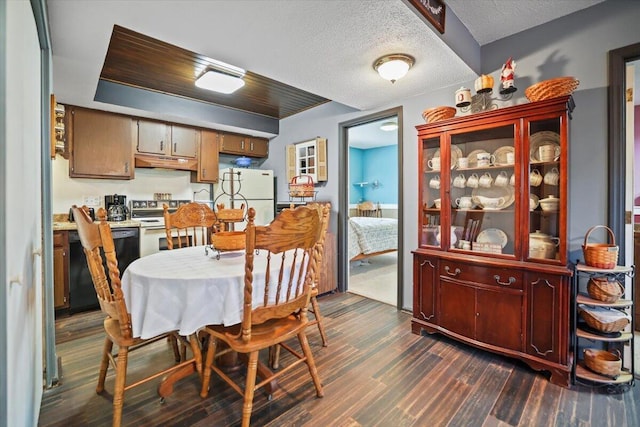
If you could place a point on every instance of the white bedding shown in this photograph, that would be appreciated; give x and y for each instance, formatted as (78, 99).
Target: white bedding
(371, 235)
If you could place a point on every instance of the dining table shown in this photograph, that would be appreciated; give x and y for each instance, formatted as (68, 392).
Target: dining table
(185, 290)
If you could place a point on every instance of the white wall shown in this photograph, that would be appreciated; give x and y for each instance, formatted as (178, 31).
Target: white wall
(575, 45)
(22, 170)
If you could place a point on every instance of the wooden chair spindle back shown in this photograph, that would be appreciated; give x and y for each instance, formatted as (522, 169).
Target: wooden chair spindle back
(192, 219)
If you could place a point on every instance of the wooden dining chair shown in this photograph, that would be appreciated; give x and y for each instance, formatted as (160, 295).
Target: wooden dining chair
(368, 209)
(96, 239)
(190, 225)
(275, 300)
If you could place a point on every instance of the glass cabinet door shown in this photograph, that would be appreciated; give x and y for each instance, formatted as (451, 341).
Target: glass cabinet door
(546, 181)
(431, 192)
(482, 197)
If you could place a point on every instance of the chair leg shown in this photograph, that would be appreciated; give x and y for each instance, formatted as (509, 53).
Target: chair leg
(104, 364)
(197, 354)
(274, 356)
(247, 407)
(304, 343)
(318, 316)
(118, 393)
(206, 370)
(173, 342)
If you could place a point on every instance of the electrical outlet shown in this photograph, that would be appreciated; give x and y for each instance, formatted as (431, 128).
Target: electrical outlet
(91, 200)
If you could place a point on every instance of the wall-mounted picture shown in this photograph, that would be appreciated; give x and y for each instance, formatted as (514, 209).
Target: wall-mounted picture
(433, 10)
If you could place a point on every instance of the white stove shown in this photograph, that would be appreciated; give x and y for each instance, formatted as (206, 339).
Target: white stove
(150, 214)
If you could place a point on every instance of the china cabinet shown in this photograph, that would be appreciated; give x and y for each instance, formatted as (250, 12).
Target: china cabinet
(586, 338)
(491, 266)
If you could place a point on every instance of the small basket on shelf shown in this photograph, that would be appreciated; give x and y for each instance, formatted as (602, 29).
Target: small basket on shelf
(552, 88)
(603, 320)
(604, 289)
(600, 255)
(301, 186)
(229, 215)
(436, 114)
(602, 362)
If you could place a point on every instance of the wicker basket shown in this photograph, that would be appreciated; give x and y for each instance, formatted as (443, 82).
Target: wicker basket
(229, 215)
(602, 362)
(603, 320)
(603, 289)
(600, 255)
(229, 240)
(301, 186)
(436, 114)
(552, 88)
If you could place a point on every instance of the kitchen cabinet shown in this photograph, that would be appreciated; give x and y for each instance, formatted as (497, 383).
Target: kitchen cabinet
(243, 145)
(165, 139)
(491, 266)
(60, 270)
(619, 342)
(101, 144)
(208, 158)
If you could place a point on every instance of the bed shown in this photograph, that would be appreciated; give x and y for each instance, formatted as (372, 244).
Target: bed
(371, 236)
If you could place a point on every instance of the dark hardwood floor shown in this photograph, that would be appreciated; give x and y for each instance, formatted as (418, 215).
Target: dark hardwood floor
(375, 373)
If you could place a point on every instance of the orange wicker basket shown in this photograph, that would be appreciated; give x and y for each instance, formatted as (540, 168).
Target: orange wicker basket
(301, 186)
(600, 255)
(229, 240)
(603, 289)
(436, 114)
(600, 319)
(602, 362)
(552, 88)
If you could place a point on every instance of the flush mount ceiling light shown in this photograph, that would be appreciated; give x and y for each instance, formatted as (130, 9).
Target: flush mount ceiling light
(389, 126)
(393, 67)
(222, 78)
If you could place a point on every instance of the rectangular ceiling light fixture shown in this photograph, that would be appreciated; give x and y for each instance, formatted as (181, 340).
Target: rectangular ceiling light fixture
(222, 78)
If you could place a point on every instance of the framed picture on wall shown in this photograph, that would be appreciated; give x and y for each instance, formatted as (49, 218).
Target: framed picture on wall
(433, 10)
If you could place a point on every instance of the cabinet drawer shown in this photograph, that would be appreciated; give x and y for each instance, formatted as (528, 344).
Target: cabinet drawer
(494, 276)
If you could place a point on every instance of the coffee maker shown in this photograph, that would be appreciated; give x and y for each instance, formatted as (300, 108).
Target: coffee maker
(116, 206)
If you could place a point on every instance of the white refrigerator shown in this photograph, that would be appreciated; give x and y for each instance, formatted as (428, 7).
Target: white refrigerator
(255, 186)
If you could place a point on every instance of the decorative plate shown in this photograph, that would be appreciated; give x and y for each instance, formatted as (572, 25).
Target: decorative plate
(501, 154)
(493, 235)
(456, 153)
(541, 138)
(508, 192)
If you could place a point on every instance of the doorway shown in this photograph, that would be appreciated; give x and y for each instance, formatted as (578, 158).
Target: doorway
(371, 178)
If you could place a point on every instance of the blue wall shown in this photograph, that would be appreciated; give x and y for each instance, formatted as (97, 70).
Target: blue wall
(375, 164)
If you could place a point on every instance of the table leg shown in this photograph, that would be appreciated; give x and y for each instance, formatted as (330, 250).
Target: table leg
(166, 385)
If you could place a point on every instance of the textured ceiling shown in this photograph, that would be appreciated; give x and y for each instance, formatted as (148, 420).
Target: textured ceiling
(326, 48)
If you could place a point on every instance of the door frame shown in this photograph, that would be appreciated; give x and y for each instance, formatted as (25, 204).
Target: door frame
(343, 197)
(617, 146)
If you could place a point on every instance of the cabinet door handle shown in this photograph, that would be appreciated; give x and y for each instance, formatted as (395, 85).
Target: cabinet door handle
(204, 173)
(162, 145)
(455, 272)
(126, 167)
(242, 144)
(251, 146)
(509, 283)
(175, 147)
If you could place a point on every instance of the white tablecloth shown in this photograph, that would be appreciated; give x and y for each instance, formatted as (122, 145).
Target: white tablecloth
(185, 290)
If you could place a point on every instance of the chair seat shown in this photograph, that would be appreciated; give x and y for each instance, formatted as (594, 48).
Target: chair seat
(264, 335)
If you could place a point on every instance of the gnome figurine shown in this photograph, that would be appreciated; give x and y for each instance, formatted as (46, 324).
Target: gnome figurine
(506, 77)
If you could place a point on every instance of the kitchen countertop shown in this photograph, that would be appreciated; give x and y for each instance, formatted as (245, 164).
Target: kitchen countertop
(67, 225)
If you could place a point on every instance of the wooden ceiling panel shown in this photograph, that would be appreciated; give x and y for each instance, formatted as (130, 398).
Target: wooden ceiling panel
(137, 60)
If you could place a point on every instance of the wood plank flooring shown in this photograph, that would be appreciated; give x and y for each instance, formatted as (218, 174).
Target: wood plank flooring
(375, 372)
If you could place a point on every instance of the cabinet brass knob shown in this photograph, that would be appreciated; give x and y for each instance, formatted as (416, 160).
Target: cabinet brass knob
(498, 281)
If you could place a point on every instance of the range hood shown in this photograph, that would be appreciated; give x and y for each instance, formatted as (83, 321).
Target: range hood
(166, 162)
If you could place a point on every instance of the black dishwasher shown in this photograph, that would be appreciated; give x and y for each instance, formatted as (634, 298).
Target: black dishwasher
(82, 294)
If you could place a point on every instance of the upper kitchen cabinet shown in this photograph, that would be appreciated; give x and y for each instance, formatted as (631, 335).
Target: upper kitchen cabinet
(101, 144)
(208, 158)
(243, 145)
(167, 140)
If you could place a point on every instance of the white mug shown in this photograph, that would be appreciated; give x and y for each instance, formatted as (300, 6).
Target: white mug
(552, 177)
(463, 162)
(502, 179)
(485, 159)
(459, 181)
(485, 180)
(434, 163)
(535, 179)
(437, 202)
(463, 97)
(472, 181)
(548, 152)
(435, 182)
(511, 158)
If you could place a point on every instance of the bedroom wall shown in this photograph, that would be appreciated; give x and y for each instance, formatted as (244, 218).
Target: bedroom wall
(371, 166)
